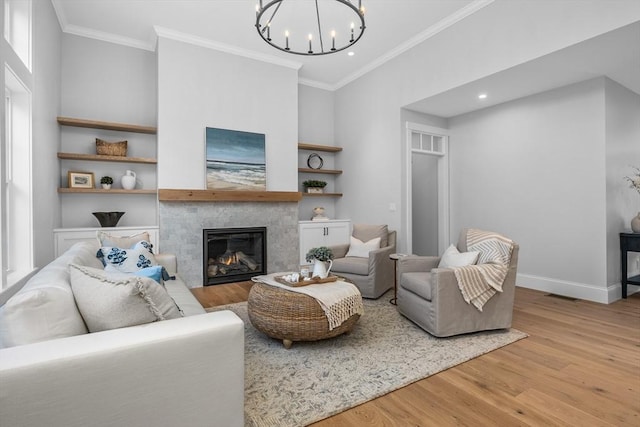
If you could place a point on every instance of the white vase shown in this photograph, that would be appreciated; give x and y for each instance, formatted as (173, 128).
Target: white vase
(320, 269)
(128, 180)
(106, 186)
(635, 223)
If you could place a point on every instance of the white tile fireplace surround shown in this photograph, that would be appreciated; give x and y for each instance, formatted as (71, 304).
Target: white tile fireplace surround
(181, 225)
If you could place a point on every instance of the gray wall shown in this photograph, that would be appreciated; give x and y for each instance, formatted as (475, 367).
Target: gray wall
(315, 126)
(46, 104)
(533, 170)
(368, 112)
(622, 152)
(108, 82)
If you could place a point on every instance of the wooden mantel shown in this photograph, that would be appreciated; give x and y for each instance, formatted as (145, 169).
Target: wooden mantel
(174, 195)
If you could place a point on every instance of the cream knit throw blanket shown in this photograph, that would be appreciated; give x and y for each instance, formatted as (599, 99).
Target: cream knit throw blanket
(478, 283)
(339, 300)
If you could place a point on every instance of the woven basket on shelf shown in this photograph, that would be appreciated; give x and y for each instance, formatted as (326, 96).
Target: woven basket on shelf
(291, 316)
(106, 148)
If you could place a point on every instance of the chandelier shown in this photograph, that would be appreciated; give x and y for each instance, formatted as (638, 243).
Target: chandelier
(310, 27)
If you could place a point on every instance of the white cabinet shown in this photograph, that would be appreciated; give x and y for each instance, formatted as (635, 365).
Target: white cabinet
(322, 233)
(64, 238)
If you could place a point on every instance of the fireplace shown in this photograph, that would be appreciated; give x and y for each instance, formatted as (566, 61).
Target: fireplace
(233, 254)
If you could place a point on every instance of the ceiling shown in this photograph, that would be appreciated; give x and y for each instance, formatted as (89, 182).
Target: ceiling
(393, 26)
(615, 54)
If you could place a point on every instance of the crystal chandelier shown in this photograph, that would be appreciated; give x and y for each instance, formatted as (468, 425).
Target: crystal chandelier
(310, 27)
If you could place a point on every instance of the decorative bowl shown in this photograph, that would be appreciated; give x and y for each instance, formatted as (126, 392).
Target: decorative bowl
(108, 219)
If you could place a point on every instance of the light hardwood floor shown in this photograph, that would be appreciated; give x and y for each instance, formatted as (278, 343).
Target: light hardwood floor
(580, 366)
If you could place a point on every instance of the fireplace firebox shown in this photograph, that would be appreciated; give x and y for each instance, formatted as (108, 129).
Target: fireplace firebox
(233, 254)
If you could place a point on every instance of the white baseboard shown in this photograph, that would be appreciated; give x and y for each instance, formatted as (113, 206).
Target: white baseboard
(605, 295)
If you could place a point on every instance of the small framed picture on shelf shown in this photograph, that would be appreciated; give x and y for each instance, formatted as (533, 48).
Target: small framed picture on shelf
(81, 179)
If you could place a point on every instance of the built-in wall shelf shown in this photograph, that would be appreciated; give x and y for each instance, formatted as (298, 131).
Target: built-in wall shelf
(103, 158)
(95, 124)
(325, 171)
(308, 170)
(102, 191)
(316, 147)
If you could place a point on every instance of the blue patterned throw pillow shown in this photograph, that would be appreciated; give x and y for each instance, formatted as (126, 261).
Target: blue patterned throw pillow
(128, 260)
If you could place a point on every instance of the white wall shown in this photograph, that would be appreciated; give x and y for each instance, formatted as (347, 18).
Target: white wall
(622, 152)
(200, 87)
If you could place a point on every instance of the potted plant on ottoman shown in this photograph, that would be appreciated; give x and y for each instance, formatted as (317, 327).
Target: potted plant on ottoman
(320, 256)
(314, 186)
(106, 182)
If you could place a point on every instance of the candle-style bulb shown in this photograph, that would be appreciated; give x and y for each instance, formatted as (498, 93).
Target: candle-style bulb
(352, 27)
(333, 39)
(286, 37)
(310, 48)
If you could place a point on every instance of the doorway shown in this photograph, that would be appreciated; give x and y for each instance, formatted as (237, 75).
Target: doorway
(427, 183)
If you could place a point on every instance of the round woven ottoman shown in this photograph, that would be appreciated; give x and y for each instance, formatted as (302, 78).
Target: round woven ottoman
(291, 316)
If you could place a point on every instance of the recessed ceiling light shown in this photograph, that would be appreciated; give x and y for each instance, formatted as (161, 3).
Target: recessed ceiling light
(482, 96)
(351, 53)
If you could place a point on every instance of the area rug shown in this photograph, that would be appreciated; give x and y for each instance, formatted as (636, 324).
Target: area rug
(314, 380)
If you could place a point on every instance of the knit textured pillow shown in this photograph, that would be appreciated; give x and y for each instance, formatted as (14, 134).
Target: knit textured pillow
(110, 301)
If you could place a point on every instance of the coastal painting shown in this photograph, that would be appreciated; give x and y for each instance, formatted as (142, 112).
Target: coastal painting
(235, 160)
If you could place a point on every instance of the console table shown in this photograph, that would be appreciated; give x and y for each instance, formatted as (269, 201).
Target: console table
(629, 242)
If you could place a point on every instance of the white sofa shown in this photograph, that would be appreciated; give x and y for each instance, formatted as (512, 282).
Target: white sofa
(187, 371)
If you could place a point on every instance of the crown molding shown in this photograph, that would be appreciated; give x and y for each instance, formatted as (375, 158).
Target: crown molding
(108, 37)
(316, 84)
(416, 40)
(222, 47)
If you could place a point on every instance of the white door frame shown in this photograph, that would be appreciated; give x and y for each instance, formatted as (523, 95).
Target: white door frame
(443, 183)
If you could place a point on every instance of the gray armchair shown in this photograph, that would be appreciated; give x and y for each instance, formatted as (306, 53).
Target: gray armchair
(372, 275)
(430, 297)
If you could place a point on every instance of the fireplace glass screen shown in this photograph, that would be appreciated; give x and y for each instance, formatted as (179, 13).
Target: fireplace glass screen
(234, 254)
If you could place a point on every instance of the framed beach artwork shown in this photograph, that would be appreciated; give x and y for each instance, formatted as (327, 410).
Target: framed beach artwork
(235, 160)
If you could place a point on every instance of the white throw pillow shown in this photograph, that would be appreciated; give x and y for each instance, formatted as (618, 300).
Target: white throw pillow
(361, 249)
(109, 301)
(452, 257)
(45, 309)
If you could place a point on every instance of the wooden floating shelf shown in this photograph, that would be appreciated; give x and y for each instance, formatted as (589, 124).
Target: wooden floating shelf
(326, 171)
(315, 147)
(103, 158)
(174, 195)
(322, 194)
(95, 124)
(103, 191)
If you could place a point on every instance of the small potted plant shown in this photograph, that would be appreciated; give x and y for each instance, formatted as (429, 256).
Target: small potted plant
(106, 182)
(314, 186)
(319, 257)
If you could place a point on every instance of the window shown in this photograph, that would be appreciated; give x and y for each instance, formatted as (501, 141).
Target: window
(17, 28)
(17, 253)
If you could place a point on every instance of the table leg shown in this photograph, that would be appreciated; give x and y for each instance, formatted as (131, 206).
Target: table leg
(623, 279)
(394, 300)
